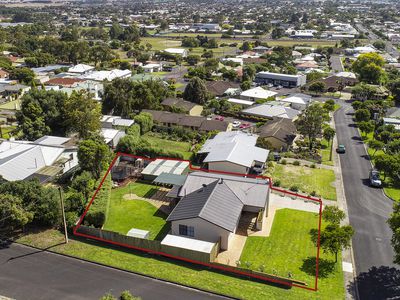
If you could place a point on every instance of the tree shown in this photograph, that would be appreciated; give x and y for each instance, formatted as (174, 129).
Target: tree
(145, 120)
(329, 105)
(334, 237)
(368, 66)
(394, 87)
(329, 133)
(196, 91)
(394, 224)
(381, 45)
(31, 120)
(310, 122)
(116, 31)
(376, 146)
(82, 114)
(245, 85)
(317, 87)
(386, 163)
(13, 213)
(83, 183)
(23, 75)
(193, 59)
(362, 115)
(93, 155)
(249, 72)
(366, 127)
(333, 214)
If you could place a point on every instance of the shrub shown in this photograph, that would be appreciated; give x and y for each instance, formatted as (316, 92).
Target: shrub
(296, 163)
(294, 188)
(283, 161)
(133, 130)
(270, 164)
(96, 215)
(277, 183)
(313, 193)
(313, 166)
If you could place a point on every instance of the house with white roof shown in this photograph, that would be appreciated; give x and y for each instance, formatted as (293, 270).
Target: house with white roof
(153, 67)
(108, 75)
(257, 93)
(177, 51)
(108, 121)
(81, 69)
(45, 158)
(233, 151)
(112, 136)
(297, 101)
(271, 111)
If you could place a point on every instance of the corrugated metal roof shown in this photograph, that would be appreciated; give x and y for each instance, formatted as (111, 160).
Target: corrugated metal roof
(167, 178)
(250, 191)
(160, 166)
(215, 203)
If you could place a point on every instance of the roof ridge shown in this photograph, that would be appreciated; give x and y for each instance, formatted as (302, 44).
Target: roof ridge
(234, 193)
(209, 196)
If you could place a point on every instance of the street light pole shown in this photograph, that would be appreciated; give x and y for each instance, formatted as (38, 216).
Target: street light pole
(63, 214)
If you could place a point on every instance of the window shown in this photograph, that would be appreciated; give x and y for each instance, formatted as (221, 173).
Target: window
(186, 230)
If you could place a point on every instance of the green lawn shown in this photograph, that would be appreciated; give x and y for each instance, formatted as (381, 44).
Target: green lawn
(181, 147)
(11, 105)
(326, 152)
(289, 249)
(124, 214)
(173, 270)
(306, 179)
(6, 131)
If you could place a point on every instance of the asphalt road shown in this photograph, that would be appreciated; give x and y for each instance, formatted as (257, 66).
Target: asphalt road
(27, 273)
(368, 210)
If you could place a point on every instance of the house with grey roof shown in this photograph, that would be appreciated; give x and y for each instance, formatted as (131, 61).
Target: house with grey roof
(233, 151)
(45, 158)
(271, 111)
(211, 206)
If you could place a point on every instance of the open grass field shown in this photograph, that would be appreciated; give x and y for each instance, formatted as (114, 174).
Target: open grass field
(181, 147)
(289, 249)
(125, 214)
(291, 43)
(176, 271)
(306, 179)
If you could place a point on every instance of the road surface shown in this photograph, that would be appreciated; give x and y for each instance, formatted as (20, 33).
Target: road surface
(27, 273)
(368, 210)
(336, 63)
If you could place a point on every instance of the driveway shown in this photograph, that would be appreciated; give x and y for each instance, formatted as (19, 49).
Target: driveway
(368, 210)
(336, 63)
(27, 273)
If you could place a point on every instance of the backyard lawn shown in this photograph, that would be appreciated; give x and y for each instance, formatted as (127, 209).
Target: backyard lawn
(125, 214)
(289, 250)
(168, 145)
(307, 179)
(176, 271)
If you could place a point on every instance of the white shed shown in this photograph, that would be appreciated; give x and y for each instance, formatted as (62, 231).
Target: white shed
(139, 233)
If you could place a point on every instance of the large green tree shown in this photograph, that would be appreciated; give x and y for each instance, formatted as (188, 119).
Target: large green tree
(93, 155)
(31, 121)
(369, 67)
(394, 223)
(196, 91)
(13, 214)
(82, 114)
(145, 121)
(310, 122)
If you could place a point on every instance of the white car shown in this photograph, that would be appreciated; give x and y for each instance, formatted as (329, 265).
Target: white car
(236, 123)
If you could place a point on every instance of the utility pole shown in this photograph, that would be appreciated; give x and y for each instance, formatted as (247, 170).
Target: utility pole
(63, 214)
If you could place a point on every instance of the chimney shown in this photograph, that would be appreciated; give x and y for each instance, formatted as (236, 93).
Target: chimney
(203, 187)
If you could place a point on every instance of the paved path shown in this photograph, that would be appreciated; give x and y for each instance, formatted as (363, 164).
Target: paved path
(27, 273)
(336, 63)
(368, 210)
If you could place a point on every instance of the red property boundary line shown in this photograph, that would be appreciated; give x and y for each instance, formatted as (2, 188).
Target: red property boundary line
(212, 266)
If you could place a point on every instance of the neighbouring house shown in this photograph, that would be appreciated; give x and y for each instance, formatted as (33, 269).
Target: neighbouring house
(271, 111)
(150, 68)
(392, 121)
(233, 151)
(112, 136)
(211, 206)
(45, 158)
(201, 124)
(303, 66)
(164, 166)
(177, 51)
(261, 49)
(284, 80)
(4, 74)
(297, 101)
(190, 108)
(336, 83)
(279, 134)
(107, 75)
(254, 60)
(81, 69)
(50, 69)
(63, 82)
(108, 121)
(221, 88)
(257, 93)
(12, 92)
(393, 112)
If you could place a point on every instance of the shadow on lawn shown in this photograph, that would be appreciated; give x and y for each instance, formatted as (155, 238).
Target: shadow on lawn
(150, 193)
(326, 267)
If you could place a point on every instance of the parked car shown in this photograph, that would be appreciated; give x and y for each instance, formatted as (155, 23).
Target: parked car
(341, 149)
(219, 118)
(374, 179)
(236, 123)
(244, 126)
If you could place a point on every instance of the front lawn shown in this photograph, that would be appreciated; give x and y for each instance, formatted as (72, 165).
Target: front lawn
(183, 273)
(326, 152)
(289, 249)
(125, 214)
(169, 145)
(306, 179)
